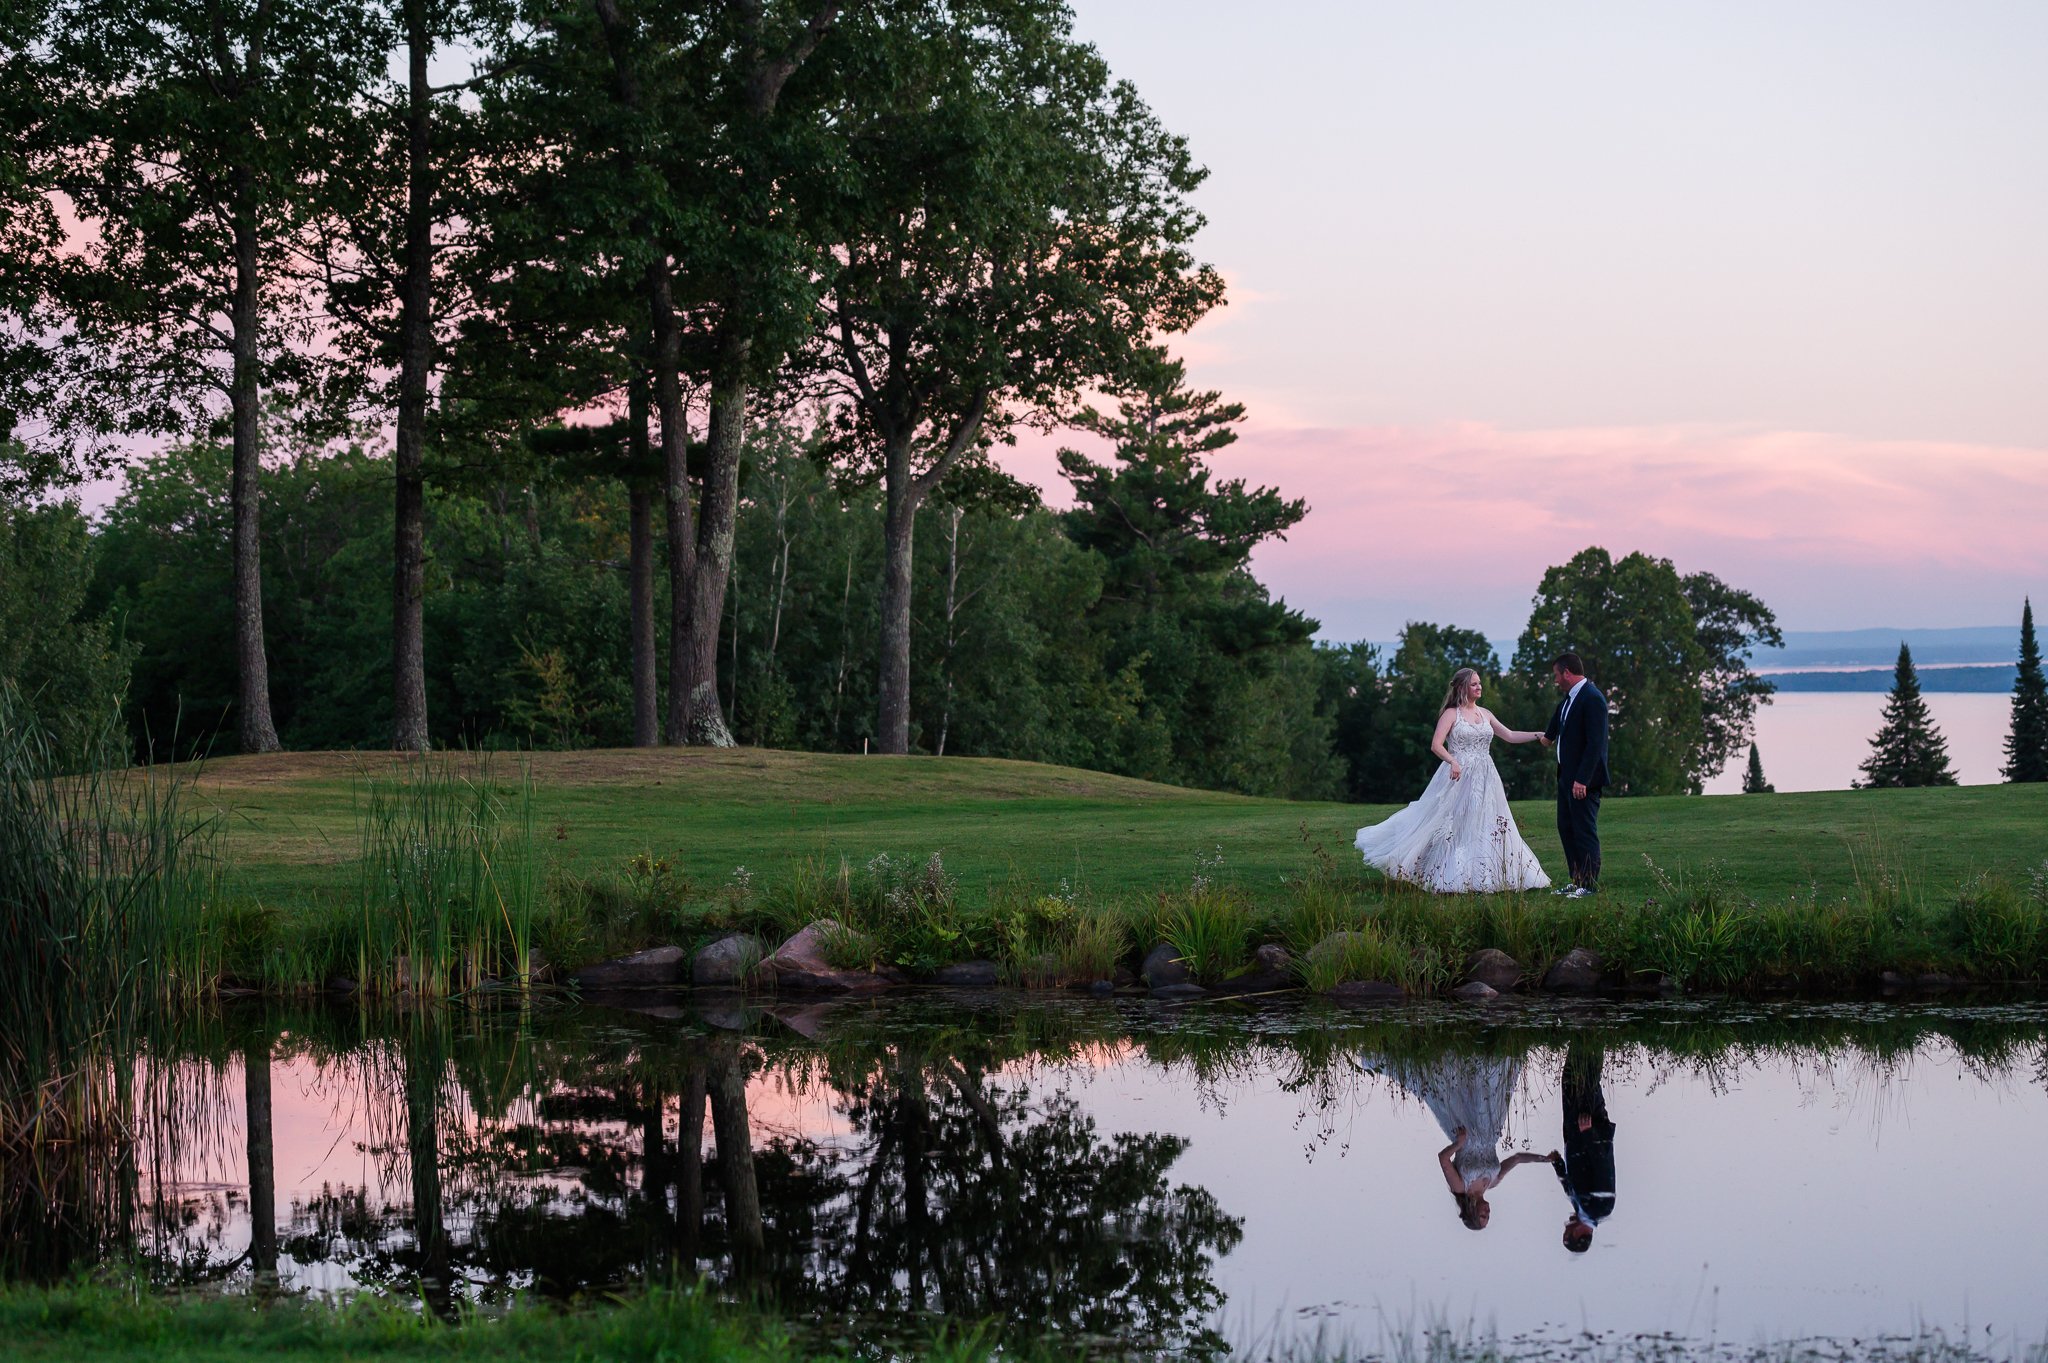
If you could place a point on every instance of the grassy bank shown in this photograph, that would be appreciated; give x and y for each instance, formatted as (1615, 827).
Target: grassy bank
(1062, 875)
(97, 1324)
(90, 1324)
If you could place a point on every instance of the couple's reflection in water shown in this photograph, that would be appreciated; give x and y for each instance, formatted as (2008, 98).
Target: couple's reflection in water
(1070, 1170)
(1471, 1097)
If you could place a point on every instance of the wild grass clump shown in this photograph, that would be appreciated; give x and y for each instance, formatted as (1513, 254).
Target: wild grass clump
(1211, 929)
(104, 883)
(448, 879)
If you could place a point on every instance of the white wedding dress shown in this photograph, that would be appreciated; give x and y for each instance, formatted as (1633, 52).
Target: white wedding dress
(1470, 1091)
(1459, 838)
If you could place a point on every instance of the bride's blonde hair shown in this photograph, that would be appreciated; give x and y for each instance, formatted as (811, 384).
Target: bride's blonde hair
(1458, 680)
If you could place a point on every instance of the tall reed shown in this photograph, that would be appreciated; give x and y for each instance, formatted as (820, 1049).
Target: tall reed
(104, 879)
(447, 877)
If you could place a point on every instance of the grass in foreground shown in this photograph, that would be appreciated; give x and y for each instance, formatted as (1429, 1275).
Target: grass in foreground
(97, 1324)
(1064, 875)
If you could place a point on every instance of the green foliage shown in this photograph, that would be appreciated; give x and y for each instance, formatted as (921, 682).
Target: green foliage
(1671, 654)
(105, 889)
(66, 667)
(1228, 693)
(2026, 744)
(1907, 749)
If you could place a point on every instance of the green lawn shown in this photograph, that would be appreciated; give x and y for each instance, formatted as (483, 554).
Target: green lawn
(290, 824)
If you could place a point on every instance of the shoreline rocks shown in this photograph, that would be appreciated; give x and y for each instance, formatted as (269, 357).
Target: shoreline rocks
(649, 969)
(1493, 968)
(1578, 971)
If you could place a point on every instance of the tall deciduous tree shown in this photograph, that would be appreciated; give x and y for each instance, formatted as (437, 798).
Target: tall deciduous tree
(1671, 653)
(1908, 750)
(404, 199)
(190, 132)
(2026, 746)
(697, 94)
(1016, 227)
(30, 235)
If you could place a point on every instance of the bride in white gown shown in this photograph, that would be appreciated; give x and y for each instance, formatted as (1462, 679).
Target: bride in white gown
(1459, 838)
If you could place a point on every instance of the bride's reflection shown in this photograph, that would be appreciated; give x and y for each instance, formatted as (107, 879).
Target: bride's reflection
(1469, 1095)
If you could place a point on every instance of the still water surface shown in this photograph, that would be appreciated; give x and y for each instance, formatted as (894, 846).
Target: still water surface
(1180, 1178)
(1816, 740)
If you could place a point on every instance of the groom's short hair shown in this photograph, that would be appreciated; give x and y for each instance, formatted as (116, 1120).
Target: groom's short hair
(1570, 662)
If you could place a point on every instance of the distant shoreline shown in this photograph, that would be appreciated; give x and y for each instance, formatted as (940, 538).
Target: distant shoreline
(1978, 678)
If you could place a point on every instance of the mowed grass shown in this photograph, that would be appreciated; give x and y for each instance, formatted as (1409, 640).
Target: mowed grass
(289, 826)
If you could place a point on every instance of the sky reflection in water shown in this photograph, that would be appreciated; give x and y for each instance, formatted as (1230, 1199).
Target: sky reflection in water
(1175, 1177)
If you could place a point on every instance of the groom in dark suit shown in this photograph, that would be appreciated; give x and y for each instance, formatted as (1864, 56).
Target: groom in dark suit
(1579, 731)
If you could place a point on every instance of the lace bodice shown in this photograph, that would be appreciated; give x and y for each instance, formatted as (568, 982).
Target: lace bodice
(1468, 740)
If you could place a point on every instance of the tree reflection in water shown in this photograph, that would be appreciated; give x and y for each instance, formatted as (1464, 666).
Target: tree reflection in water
(565, 1154)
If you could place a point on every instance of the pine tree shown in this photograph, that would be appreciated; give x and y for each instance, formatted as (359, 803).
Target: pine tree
(1908, 749)
(1753, 782)
(2026, 747)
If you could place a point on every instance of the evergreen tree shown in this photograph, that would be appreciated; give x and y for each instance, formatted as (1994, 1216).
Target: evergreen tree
(1753, 782)
(1908, 749)
(2026, 747)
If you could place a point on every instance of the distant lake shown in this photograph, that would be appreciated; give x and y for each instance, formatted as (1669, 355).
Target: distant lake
(1816, 740)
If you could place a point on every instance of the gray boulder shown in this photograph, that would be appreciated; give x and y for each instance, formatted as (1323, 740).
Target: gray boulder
(1163, 966)
(1365, 993)
(1171, 992)
(649, 969)
(1575, 972)
(1493, 968)
(1475, 991)
(969, 974)
(731, 962)
(1271, 970)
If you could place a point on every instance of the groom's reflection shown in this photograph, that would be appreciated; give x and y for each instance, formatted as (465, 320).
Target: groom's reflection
(1586, 1169)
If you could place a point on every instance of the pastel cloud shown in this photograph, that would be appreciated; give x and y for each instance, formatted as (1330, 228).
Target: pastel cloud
(1456, 522)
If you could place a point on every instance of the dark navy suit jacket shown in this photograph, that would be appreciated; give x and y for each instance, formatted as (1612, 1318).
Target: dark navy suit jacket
(1581, 738)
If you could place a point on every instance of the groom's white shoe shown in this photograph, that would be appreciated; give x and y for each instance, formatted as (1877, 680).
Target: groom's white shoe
(1576, 892)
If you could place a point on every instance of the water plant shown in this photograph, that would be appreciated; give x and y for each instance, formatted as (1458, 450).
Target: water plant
(447, 876)
(104, 883)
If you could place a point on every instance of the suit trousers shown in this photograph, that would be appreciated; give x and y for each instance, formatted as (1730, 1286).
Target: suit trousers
(1578, 828)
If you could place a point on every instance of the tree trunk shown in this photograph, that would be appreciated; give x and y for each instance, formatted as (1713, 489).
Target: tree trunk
(423, 1073)
(675, 463)
(640, 575)
(254, 728)
(899, 519)
(659, 291)
(728, 1094)
(415, 365)
(704, 722)
(953, 604)
(262, 1159)
(690, 1168)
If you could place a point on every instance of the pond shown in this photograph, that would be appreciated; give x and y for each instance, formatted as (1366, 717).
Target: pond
(1184, 1179)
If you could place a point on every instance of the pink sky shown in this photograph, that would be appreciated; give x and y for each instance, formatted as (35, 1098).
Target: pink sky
(1456, 523)
(1756, 288)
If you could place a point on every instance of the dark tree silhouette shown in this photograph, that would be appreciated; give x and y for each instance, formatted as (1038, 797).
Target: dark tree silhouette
(2026, 746)
(1753, 782)
(1908, 750)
